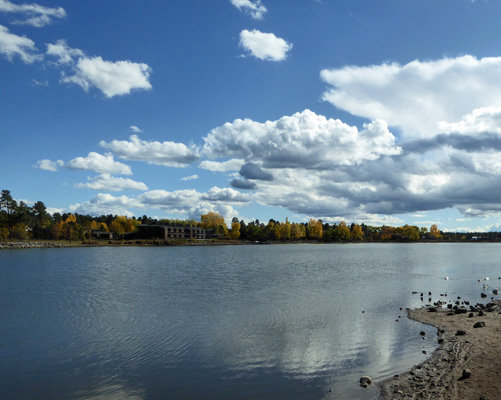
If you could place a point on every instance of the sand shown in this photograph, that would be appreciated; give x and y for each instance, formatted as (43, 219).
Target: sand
(445, 374)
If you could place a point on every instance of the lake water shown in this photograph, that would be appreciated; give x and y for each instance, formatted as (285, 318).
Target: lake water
(229, 322)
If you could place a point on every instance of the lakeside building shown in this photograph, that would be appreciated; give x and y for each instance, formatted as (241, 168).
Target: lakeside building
(165, 232)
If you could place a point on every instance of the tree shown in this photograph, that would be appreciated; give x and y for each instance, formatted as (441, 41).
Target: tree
(9, 205)
(386, 232)
(122, 224)
(435, 232)
(315, 229)
(410, 232)
(283, 231)
(356, 232)
(235, 229)
(298, 231)
(41, 219)
(215, 222)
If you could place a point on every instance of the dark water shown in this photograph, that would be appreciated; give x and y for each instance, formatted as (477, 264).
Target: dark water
(236, 322)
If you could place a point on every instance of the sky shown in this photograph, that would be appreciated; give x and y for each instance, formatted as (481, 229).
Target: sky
(383, 112)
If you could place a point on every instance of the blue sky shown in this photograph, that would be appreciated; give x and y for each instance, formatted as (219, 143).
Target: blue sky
(380, 112)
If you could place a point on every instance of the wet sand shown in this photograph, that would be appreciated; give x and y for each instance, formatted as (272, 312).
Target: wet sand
(466, 365)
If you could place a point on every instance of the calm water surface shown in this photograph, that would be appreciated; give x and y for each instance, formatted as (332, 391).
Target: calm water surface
(236, 322)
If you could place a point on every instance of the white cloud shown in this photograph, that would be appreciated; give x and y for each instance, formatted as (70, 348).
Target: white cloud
(98, 163)
(222, 166)
(104, 204)
(111, 183)
(168, 154)
(486, 119)
(305, 140)
(187, 203)
(189, 178)
(265, 46)
(190, 202)
(226, 195)
(37, 15)
(254, 8)
(419, 95)
(135, 129)
(49, 165)
(111, 78)
(12, 45)
(316, 166)
(63, 53)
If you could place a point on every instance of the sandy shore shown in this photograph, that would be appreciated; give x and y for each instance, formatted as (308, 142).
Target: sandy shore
(467, 364)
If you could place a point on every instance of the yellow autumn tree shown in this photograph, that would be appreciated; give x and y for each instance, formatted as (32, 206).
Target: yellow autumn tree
(356, 232)
(283, 231)
(235, 230)
(122, 224)
(298, 231)
(434, 231)
(214, 221)
(315, 229)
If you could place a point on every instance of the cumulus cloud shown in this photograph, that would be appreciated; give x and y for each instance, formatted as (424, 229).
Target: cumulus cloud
(191, 202)
(417, 96)
(12, 45)
(111, 183)
(63, 53)
(111, 78)
(49, 165)
(168, 154)
(254, 8)
(99, 163)
(243, 184)
(188, 203)
(36, 15)
(254, 171)
(303, 140)
(265, 46)
(104, 204)
(226, 195)
(222, 166)
(324, 168)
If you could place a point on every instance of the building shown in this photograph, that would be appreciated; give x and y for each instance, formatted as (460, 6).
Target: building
(165, 232)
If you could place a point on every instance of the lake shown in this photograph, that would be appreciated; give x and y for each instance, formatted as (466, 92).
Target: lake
(226, 322)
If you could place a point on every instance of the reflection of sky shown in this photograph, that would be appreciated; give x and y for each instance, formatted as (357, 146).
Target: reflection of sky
(138, 322)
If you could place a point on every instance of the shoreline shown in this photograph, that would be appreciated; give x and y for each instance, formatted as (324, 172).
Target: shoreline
(465, 366)
(38, 244)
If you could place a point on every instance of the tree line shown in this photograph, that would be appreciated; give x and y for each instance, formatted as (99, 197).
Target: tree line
(18, 221)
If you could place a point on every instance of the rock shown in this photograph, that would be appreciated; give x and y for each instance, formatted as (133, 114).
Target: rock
(466, 374)
(432, 309)
(483, 295)
(422, 333)
(460, 310)
(479, 324)
(365, 381)
(460, 333)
